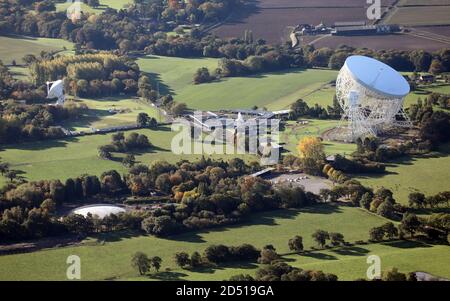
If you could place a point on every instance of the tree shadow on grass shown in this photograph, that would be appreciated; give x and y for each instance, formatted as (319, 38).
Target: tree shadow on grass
(116, 236)
(351, 251)
(229, 265)
(92, 116)
(321, 256)
(168, 276)
(41, 145)
(407, 244)
(158, 84)
(321, 209)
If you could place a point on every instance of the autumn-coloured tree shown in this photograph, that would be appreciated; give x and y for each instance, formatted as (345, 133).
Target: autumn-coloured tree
(311, 148)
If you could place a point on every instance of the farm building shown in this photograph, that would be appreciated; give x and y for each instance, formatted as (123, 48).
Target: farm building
(351, 23)
(364, 30)
(427, 78)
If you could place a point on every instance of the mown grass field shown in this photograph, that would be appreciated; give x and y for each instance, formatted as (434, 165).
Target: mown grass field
(71, 157)
(427, 175)
(112, 260)
(98, 116)
(16, 47)
(271, 90)
(350, 263)
(294, 133)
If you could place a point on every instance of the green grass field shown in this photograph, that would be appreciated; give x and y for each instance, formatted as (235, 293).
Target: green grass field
(112, 260)
(350, 263)
(98, 115)
(426, 175)
(15, 48)
(272, 90)
(71, 157)
(293, 133)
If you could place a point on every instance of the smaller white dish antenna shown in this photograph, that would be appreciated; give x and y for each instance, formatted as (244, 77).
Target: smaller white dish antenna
(56, 90)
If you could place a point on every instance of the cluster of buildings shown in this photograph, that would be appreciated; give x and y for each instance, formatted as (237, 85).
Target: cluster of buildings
(209, 120)
(346, 29)
(228, 125)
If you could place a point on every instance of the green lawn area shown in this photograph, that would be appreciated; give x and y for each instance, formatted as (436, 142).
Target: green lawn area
(20, 72)
(16, 47)
(293, 133)
(350, 263)
(272, 90)
(71, 157)
(441, 88)
(426, 175)
(98, 115)
(112, 260)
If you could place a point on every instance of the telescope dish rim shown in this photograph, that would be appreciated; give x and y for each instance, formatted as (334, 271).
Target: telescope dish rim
(377, 76)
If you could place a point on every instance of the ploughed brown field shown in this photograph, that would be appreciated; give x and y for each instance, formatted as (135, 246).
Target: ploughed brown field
(318, 3)
(440, 30)
(395, 41)
(273, 21)
(271, 24)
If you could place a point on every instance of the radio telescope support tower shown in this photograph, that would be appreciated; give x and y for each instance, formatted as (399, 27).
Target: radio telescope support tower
(371, 95)
(357, 122)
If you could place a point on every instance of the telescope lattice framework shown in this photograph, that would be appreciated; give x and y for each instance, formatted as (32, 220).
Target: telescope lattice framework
(371, 95)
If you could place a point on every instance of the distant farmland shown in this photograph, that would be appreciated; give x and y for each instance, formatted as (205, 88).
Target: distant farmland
(318, 3)
(270, 24)
(423, 2)
(273, 21)
(394, 41)
(427, 15)
(269, 19)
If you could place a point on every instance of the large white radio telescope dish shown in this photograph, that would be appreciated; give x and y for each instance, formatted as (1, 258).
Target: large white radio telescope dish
(371, 95)
(56, 90)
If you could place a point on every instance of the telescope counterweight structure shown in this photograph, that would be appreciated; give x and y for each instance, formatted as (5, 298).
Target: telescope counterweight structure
(371, 95)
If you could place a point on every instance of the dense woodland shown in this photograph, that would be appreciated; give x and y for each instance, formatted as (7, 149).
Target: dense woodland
(89, 75)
